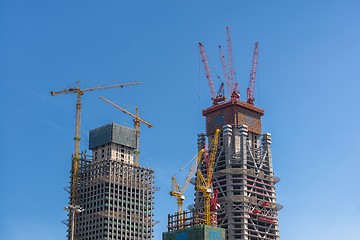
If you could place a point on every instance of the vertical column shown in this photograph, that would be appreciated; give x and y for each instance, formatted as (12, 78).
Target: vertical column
(243, 130)
(227, 136)
(266, 144)
(236, 138)
(229, 149)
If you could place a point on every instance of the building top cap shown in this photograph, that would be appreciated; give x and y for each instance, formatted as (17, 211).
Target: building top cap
(233, 103)
(112, 133)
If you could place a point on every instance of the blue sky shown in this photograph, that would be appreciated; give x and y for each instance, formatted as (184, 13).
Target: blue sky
(307, 82)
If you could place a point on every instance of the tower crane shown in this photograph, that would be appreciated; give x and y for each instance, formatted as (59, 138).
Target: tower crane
(176, 190)
(137, 121)
(224, 69)
(235, 94)
(251, 88)
(203, 184)
(219, 97)
(76, 156)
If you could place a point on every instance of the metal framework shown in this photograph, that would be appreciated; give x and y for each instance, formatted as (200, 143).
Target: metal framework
(118, 201)
(178, 191)
(184, 219)
(204, 184)
(251, 88)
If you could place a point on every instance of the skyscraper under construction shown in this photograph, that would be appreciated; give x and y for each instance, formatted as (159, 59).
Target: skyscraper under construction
(243, 180)
(116, 195)
(243, 174)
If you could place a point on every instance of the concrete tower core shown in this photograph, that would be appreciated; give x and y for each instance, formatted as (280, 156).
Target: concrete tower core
(243, 172)
(117, 196)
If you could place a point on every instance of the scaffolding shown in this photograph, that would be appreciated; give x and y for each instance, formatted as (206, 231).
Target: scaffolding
(117, 198)
(182, 220)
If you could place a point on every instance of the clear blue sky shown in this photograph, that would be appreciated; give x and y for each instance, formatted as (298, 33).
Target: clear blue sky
(308, 84)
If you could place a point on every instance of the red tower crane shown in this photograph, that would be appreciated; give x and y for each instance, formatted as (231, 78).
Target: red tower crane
(224, 70)
(251, 88)
(233, 86)
(219, 97)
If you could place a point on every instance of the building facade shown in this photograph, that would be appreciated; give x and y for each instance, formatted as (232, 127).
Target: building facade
(243, 175)
(117, 196)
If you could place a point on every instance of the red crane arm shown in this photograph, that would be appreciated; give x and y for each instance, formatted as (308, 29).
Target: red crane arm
(207, 70)
(231, 79)
(225, 71)
(251, 88)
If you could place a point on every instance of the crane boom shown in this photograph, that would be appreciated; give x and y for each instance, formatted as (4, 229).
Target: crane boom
(230, 59)
(225, 70)
(205, 184)
(235, 94)
(192, 170)
(127, 112)
(219, 97)
(137, 121)
(251, 88)
(204, 59)
(77, 89)
(176, 190)
(76, 155)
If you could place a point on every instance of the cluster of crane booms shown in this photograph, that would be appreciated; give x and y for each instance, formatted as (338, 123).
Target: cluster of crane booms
(229, 74)
(243, 181)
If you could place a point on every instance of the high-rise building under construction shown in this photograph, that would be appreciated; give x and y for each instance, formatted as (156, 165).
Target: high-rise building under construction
(116, 195)
(243, 174)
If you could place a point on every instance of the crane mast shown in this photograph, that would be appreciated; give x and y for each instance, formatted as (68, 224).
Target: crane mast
(76, 155)
(203, 184)
(137, 121)
(251, 88)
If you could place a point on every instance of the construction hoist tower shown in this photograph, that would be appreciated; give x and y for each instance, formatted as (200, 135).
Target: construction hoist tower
(243, 172)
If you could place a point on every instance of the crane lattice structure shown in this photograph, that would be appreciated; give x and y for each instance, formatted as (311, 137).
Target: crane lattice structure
(203, 184)
(137, 121)
(219, 97)
(76, 155)
(176, 190)
(251, 88)
(231, 81)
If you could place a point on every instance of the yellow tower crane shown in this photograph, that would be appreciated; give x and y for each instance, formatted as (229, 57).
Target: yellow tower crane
(203, 184)
(76, 156)
(137, 121)
(176, 190)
